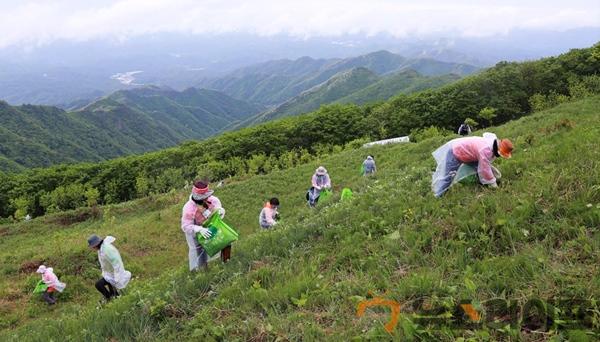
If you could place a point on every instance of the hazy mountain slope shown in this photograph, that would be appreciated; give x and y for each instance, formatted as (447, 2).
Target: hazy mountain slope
(275, 82)
(405, 82)
(41, 136)
(432, 67)
(125, 122)
(338, 86)
(359, 85)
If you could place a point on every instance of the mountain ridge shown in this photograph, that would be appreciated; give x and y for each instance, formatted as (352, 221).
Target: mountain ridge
(122, 123)
(358, 85)
(272, 83)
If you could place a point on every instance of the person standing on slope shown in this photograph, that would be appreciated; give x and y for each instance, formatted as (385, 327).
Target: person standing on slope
(269, 215)
(320, 182)
(51, 280)
(198, 209)
(464, 129)
(368, 166)
(481, 150)
(114, 275)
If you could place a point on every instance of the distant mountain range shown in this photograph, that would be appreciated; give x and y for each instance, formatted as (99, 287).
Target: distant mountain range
(64, 72)
(359, 86)
(125, 122)
(275, 82)
(147, 118)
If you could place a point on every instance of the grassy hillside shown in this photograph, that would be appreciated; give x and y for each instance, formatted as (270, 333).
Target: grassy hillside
(125, 122)
(534, 237)
(403, 82)
(274, 82)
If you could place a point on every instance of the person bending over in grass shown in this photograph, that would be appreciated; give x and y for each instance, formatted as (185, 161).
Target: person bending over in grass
(368, 166)
(198, 209)
(114, 275)
(269, 215)
(52, 282)
(481, 150)
(320, 182)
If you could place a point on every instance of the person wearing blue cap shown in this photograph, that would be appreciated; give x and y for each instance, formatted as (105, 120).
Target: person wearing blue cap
(114, 275)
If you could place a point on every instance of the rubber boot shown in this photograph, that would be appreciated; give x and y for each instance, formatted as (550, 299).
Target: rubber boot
(226, 253)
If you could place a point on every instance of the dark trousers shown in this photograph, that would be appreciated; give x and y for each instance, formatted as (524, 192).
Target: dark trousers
(226, 253)
(107, 290)
(312, 196)
(49, 298)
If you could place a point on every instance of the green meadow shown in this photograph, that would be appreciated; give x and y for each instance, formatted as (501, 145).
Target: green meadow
(535, 239)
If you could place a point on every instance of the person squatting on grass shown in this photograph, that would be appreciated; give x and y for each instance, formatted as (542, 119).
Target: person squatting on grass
(269, 214)
(320, 181)
(114, 275)
(51, 280)
(198, 209)
(481, 150)
(368, 166)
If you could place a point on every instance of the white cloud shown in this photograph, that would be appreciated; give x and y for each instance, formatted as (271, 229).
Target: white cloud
(34, 22)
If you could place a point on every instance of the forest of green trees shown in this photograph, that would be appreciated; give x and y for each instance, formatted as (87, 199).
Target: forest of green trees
(501, 93)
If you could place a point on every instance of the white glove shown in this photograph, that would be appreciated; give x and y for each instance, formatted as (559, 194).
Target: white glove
(221, 212)
(203, 231)
(494, 185)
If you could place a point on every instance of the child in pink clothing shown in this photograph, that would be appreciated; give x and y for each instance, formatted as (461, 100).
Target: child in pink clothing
(51, 280)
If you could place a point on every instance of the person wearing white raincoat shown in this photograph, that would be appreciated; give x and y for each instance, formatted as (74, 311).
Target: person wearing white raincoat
(320, 181)
(52, 282)
(368, 166)
(481, 151)
(114, 275)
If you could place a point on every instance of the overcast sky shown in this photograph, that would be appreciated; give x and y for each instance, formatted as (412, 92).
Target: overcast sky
(34, 22)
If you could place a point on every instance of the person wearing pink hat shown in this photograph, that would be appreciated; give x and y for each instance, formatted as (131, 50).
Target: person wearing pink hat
(51, 280)
(198, 209)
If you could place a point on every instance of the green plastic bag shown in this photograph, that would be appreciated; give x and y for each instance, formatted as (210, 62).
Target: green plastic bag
(222, 235)
(325, 196)
(467, 174)
(41, 287)
(346, 194)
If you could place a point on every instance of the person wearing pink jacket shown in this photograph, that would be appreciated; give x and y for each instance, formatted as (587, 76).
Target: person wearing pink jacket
(51, 280)
(477, 150)
(198, 209)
